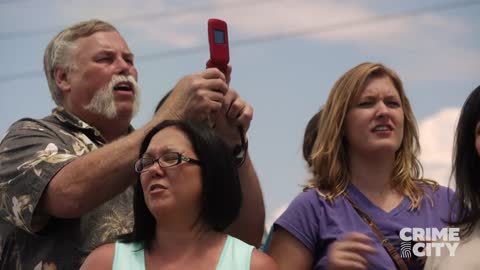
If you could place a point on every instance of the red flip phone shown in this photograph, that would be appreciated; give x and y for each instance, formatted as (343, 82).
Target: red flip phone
(218, 41)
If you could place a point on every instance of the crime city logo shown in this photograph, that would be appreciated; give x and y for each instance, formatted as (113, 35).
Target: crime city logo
(421, 242)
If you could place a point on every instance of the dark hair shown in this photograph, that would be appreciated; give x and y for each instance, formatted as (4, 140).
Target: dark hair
(164, 98)
(221, 191)
(466, 167)
(311, 131)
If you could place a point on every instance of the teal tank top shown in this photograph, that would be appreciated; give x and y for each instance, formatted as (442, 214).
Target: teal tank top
(236, 255)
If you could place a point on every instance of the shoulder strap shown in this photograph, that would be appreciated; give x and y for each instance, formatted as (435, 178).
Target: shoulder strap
(399, 262)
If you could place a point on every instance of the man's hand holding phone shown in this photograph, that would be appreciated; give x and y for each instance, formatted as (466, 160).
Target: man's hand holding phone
(234, 118)
(218, 41)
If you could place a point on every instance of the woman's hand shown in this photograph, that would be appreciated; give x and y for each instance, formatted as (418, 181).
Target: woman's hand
(349, 253)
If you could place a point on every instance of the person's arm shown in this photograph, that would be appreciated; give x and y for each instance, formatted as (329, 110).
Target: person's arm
(96, 177)
(100, 258)
(93, 178)
(249, 225)
(261, 261)
(288, 252)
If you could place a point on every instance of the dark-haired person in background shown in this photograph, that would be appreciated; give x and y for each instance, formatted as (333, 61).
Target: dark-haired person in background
(187, 193)
(309, 136)
(466, 169)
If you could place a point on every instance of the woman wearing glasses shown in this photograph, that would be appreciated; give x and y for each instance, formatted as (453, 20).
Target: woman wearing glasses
(187, 193)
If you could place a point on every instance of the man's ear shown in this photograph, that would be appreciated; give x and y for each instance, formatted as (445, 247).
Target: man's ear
(61, 79)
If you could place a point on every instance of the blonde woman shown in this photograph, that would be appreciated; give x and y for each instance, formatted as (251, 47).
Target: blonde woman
(365, 169)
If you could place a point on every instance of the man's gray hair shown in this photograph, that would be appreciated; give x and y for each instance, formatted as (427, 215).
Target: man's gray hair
(58, 53)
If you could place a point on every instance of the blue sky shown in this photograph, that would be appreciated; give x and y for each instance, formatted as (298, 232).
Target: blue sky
(436, 53)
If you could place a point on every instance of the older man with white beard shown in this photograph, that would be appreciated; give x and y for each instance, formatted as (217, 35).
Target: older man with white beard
(65, 180)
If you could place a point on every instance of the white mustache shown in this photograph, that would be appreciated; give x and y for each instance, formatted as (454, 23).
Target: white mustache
(103, 101)
(116, 79)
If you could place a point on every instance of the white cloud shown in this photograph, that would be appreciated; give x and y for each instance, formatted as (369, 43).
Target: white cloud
(266, 18)
(172, 30)
(435, 46)
(289, 15)
(106, 9)
(436, 139)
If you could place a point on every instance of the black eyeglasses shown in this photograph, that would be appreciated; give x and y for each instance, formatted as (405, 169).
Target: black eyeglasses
(167, 160)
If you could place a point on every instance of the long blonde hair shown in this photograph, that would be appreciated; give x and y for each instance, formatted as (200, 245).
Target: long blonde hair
(331, 173)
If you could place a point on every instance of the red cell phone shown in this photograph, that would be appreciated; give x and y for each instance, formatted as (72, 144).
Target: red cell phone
(218, 41)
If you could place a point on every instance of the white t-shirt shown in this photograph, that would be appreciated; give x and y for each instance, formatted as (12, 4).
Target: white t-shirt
(466, 255)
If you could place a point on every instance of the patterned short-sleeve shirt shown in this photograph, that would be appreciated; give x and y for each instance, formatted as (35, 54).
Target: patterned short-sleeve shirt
(31, 153)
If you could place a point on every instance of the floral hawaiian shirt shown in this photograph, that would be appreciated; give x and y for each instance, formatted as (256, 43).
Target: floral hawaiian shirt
(31, 153)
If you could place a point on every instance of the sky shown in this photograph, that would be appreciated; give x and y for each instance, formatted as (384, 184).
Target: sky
(286, 56)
